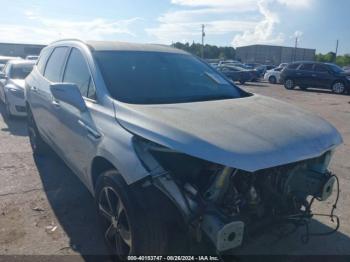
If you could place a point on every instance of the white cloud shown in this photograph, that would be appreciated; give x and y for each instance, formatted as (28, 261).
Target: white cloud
(184, 25)
(298, 34)
(297, 3)
(46, 30)
(263, 32)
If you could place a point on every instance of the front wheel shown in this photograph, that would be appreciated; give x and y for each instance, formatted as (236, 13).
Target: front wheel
(8, 113)
(272, 80)
(338, 88)
(129, 228)
(289, 84)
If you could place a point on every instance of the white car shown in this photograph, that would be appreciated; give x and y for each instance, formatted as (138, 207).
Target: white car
(12, 86)
(274, 75)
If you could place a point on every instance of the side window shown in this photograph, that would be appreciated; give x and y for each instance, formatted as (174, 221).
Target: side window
(77, 72)
(321, 68)
(43, 59)
(293, 66)
(307, 67)
(91, 90)
(55, 64)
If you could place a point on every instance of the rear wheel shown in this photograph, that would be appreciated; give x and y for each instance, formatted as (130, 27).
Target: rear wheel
(129, 228)
(38, 145)
(289, 84)
(272, 80)
(338, 88)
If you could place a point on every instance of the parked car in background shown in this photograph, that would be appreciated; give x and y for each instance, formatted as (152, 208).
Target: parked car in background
(225, 62)
(5, 59)
(32, 57)
(12, 86)
(172, 150)
(316, 75)
(214, 65)
(273, 75)
(346, 69)
(283, 65)
(236, 73)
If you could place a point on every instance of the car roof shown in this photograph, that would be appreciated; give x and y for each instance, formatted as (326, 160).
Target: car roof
(125, 46)
(9, 57)
(21, 62)
(120, 46)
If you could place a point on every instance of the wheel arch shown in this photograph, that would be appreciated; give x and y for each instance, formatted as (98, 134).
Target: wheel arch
(99, 165)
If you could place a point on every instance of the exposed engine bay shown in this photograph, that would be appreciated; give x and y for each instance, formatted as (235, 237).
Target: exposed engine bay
(227, 204)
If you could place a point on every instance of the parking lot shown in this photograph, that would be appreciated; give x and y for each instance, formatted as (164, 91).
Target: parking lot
(44, 209)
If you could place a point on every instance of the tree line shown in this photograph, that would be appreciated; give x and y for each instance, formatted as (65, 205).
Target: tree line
(210, 51)
(341, 60)
(214, 52)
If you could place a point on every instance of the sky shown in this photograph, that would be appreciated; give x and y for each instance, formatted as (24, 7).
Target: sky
(317, 23)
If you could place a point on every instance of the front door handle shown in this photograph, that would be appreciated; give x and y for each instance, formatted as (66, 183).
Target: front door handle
(90, 130)
(314, 75)
(34, 88)
(56, 103)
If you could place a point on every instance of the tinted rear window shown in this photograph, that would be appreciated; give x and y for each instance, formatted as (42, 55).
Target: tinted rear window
(307, 67)
(20, 71)
(54, 66)
(42, 60)
(293, 66)
(157, 77)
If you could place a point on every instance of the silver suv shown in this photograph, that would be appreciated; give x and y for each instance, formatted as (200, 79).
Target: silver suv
(171, 149)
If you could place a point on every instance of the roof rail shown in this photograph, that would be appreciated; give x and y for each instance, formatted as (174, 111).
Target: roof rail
(69, 39)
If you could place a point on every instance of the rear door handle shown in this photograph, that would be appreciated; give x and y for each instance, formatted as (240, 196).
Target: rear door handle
(90, 130)
(34, 88)
(314, 75)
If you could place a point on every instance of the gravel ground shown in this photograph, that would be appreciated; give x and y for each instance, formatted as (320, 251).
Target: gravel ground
(45, 210)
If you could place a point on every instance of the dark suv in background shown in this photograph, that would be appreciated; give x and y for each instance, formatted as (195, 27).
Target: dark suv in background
(316, 75)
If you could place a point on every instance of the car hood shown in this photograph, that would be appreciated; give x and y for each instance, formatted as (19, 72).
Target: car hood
(18, 82)
(249, 133)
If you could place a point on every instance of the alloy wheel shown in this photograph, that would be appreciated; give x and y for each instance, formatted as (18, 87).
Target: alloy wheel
(117, 231)
(338, 88)
(289, 84)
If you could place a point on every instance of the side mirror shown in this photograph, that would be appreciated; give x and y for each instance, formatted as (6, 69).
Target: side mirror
(68, 93)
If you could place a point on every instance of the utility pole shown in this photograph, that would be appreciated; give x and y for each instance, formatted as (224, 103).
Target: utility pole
(203, 35)
(336, 51)
(295, 48)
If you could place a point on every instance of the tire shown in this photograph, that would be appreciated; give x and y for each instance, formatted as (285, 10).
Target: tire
(38, 145)
(134, 230)
(289, 84)
(272, 80)
(338, 87)
(8, 114)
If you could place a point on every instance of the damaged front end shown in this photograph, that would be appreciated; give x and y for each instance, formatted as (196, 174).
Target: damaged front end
(228, 204)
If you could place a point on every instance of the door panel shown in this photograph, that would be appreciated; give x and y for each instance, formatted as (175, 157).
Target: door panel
(76, 134)
(305, 75)
(323, 78)
(40, 91)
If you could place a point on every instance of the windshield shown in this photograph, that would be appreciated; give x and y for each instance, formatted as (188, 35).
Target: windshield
(20, 71)
(336, 68)
(158, 77)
